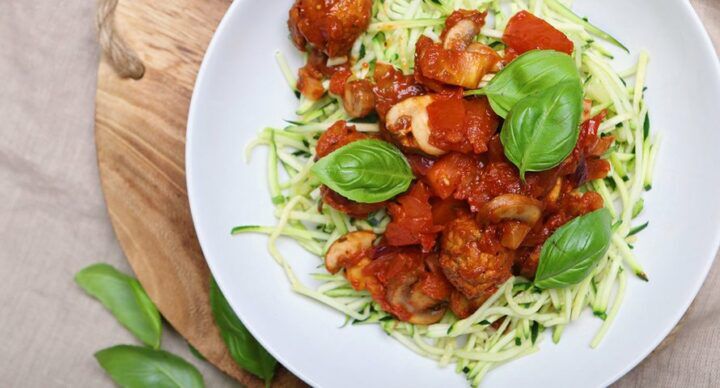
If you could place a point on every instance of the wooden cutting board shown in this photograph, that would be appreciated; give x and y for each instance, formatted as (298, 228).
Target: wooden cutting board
(140, 137)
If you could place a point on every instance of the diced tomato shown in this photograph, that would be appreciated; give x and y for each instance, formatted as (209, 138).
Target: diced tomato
(420, 164)
(436, 286)
(584, 162)
(311, 75)
(446, 210)
(347, 206)
(462, 125)
(338, 135)
(337, 81)
(495, 179)
(392, 86)
(310, 84)
(452, 172)
(570, 205)
(412, 221)
(525, 32)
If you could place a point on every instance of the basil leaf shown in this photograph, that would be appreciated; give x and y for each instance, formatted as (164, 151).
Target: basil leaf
(570, 254)
(196, 352)
(366, 171)
(126, 300)
(531, 72)
(542, 129)
(135, 366)
(243, 348)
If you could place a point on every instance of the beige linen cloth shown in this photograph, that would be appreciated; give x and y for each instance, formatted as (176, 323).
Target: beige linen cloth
(53, 219)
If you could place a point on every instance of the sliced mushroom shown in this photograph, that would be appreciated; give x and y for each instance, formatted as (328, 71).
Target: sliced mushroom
(408, 122)
(512, 207)
(459, 36)
(357, 277)
(423, 309)
(358, 98)
(496, 63)
(554, 194)
(513, 234)
(348, 249)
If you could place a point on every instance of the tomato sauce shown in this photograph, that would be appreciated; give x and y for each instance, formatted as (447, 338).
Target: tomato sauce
(525, 32)
(462, 125)
(412, 220)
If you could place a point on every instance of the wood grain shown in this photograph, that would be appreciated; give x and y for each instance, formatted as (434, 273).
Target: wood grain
(140, 137)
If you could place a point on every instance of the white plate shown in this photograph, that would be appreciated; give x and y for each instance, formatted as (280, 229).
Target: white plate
(240, 90)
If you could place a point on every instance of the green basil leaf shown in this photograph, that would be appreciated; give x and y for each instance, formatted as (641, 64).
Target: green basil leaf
(570, 254)
(243, 348)
(126, 300)
(196, 352)
(366, 171)
(135, 366)
(542, 129)
(528, 74)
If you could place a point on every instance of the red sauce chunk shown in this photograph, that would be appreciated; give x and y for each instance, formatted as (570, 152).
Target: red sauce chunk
(452, 172)
(476, 17)
(392, 86)
(412, 220)
(338, 135)
(337, 81)
(525, 32)
(462, 125)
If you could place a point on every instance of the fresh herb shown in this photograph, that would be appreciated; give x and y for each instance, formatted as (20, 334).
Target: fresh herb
(570, 254)
(534, 331)
(530, 73)
(638, 207)
(196, 352)
(365, 171)
(126, 300)
(638, 229)
(372, 118)
(518, 341)
(139, 367)
(302, 153)
(542, 129)
(243, 348)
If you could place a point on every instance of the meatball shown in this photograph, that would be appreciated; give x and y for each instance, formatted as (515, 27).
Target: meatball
(473, 259)
(331, 26)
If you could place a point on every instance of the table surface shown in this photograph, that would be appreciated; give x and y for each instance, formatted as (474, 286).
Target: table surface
(53, 220)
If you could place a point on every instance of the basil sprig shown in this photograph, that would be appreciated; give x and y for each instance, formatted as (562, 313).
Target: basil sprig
(542, 129)
(366, 171)
(126, 300)
(140, 367)
(528, 74)
(571, 253)
(243, 347)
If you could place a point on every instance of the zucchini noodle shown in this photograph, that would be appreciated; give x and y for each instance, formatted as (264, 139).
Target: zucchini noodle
(511, 323)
